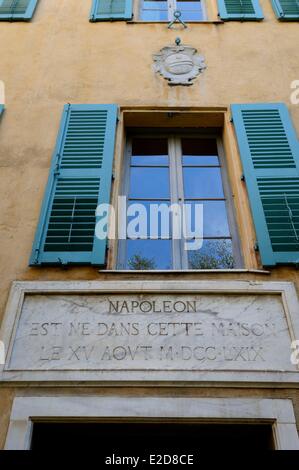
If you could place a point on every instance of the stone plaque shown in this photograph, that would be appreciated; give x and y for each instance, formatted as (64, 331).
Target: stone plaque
(151, 335)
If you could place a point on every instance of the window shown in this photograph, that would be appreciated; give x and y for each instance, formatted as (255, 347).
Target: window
(240, 10)
(157, 10)
(111, 10)
(187, 172)
(286, 10)
(17, 10)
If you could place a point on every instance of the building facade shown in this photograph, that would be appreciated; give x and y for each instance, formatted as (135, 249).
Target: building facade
(142, 103)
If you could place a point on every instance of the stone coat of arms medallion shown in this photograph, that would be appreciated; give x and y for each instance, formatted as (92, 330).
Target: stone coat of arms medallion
(179, 64)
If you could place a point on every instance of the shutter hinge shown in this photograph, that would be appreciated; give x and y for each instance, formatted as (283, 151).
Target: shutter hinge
(57, 166)
(242, 177)
(113, 175)
(231, 119)
(36, 256)
(256, 246)
(63, 263)
(107, 252)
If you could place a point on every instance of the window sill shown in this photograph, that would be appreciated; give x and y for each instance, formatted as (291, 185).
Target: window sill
(167, 22)
(183, 271)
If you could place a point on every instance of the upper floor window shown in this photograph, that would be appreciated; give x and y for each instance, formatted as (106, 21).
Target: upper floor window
(163, 10)
(17, 10)
(175, 169)
(187, 172)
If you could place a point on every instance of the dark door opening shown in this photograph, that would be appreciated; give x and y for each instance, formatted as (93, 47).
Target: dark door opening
(155, 436)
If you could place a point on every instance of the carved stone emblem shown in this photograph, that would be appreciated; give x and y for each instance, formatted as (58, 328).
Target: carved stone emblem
(179, 64)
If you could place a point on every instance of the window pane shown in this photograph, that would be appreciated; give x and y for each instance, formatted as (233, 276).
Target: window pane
(149, 183)
(152, 152)
(148, 254)
(215, 223)
(154, 11)
(202, 183)
(200, 152)
(191, 11)
(214, 254)
(152, 222)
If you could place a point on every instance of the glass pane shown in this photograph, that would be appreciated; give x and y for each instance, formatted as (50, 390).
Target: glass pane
(152, 152)
(154, 11)
(215, 223)
(148, 254)
(214, 254)
(191, 11)
(149, 183)
(202, 183)
(200, 152)
(149, 218)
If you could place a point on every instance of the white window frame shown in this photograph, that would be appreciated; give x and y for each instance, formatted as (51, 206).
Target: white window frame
(172, 7)
(179, 255)
(30, 409)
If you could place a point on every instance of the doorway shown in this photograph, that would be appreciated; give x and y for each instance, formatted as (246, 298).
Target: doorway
(159, 436)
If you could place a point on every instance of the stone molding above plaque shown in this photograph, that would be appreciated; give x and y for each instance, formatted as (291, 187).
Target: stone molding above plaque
(179, 64)
(200, 332)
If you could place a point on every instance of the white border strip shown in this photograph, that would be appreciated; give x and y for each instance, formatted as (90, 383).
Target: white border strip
(26, 409)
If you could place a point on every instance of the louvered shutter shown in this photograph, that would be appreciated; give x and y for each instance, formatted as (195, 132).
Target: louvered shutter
(103, 10)
(17, 9)
(240, 10)
(269, 152)
(286, 10)
(79, 180)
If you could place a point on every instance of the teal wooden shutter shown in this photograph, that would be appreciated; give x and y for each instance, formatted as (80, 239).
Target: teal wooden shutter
(14, 10)
(286, 10)
(269, 151)
(79, 180)
(240, 10)
(103, 10)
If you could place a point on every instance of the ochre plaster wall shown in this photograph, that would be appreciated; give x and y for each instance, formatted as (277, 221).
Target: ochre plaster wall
(61, 57)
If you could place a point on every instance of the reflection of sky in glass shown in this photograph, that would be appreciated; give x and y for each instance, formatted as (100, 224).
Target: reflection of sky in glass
(147, 151)
(154, 11)
(157, 10)
(149, 254)
(147, 205)
(191, 11)
(195, 160)
(202, 183)
(149, 183)
(149, 160)
(199, 152)
(214, 254)
(215, 222)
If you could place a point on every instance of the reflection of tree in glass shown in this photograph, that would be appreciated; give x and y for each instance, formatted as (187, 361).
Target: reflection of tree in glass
(214, 255)
(139, 262)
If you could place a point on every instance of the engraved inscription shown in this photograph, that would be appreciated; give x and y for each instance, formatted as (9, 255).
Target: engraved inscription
(151, 332)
